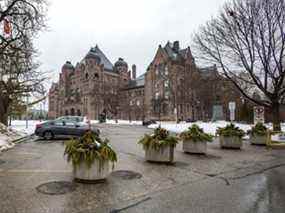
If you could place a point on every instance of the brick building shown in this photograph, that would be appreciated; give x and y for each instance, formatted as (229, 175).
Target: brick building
(173, 87)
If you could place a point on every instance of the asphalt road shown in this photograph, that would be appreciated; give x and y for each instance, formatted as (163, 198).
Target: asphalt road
(249, 180)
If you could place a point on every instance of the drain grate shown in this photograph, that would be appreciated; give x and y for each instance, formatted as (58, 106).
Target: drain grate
(56, 188)
(126, 174)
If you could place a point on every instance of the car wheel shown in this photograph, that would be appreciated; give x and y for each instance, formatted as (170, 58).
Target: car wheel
(48, 135)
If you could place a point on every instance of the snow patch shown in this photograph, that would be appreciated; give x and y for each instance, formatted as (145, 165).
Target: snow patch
(120, 122)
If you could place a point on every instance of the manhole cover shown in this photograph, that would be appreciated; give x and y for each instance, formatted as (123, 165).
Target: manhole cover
(126, 175)
(2, 162)
(56, 188)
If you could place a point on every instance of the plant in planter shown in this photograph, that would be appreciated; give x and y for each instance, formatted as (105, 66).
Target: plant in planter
(159, 147)
(258, 134)
(230, 136)
(195, 140)
(90, 157)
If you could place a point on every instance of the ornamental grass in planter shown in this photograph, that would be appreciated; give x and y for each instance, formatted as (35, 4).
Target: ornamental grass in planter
(159, 147)
(195, 140)
(90, 157)
(258, 134)
(230, 136)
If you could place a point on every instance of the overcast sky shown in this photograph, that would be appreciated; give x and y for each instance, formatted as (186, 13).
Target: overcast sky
(131, 29)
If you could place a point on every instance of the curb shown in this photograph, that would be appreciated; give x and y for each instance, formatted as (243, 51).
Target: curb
(22, 139)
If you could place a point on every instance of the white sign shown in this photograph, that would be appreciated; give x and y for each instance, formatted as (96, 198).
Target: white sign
(232, 106)
(232, 115)
(258, 114)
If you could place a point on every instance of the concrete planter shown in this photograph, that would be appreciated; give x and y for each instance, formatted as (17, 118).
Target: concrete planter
(164, 154)
(258, 140)
(95, 173)
(199, 147)
(232, 142)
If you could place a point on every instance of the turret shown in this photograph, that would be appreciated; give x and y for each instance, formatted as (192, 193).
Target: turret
(134, 71)
(121, 65)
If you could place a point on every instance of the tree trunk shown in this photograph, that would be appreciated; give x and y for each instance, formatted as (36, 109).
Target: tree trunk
(4, 105)
(275, 117)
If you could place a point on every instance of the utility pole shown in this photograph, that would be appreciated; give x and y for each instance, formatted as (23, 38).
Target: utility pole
(27, 112)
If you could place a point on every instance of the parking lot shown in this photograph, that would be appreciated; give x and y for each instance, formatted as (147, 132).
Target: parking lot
(35, 178)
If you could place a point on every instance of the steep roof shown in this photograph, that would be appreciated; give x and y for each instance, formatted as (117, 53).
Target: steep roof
(104, 60)
(172, 53)
(138, 82)
(208, 71)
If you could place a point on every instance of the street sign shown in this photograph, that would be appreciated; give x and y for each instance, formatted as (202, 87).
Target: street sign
(258, 114)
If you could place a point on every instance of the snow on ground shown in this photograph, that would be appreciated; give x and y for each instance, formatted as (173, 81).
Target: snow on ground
(7, 135)
(20, 126)
(120, 122)
(208, 127)
(16, 131)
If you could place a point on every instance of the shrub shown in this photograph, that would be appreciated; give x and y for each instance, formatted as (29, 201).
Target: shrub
(195, 134)
(258, 130)
(161, 138)
(89, 148)
(230, 130)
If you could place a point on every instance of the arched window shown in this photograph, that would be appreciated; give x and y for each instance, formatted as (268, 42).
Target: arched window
(86, 76)
(66, 112)
(72, 112)
(78, 112)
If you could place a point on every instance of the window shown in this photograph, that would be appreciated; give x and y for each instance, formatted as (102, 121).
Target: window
(166, 70)
(138, 102)
(156, 85)
(131, 103)
(86, 76)
(156, 95)
(156, 71)
(96, 75)
(166, 83)
(166, 94)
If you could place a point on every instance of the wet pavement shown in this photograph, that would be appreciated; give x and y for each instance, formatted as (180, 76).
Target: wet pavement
(35, 178)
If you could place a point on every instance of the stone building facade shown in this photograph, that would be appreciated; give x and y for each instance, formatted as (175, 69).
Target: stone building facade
(92, 87)
(172, 88)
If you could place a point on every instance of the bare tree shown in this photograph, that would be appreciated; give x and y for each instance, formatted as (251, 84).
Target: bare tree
(248, 36)
(19, 75)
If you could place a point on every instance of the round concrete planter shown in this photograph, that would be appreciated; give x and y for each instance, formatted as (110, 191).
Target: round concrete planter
(258, 140)
(164, 154)
(95, 173)
(199, 147)
(232, 142)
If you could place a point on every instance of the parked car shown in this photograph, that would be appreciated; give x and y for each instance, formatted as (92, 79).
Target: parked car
(63, 128)
(69, 118)
(146, 123)
(190, 120)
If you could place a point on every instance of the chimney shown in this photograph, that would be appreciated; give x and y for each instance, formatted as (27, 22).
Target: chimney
(176, 46)
(134, 71)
